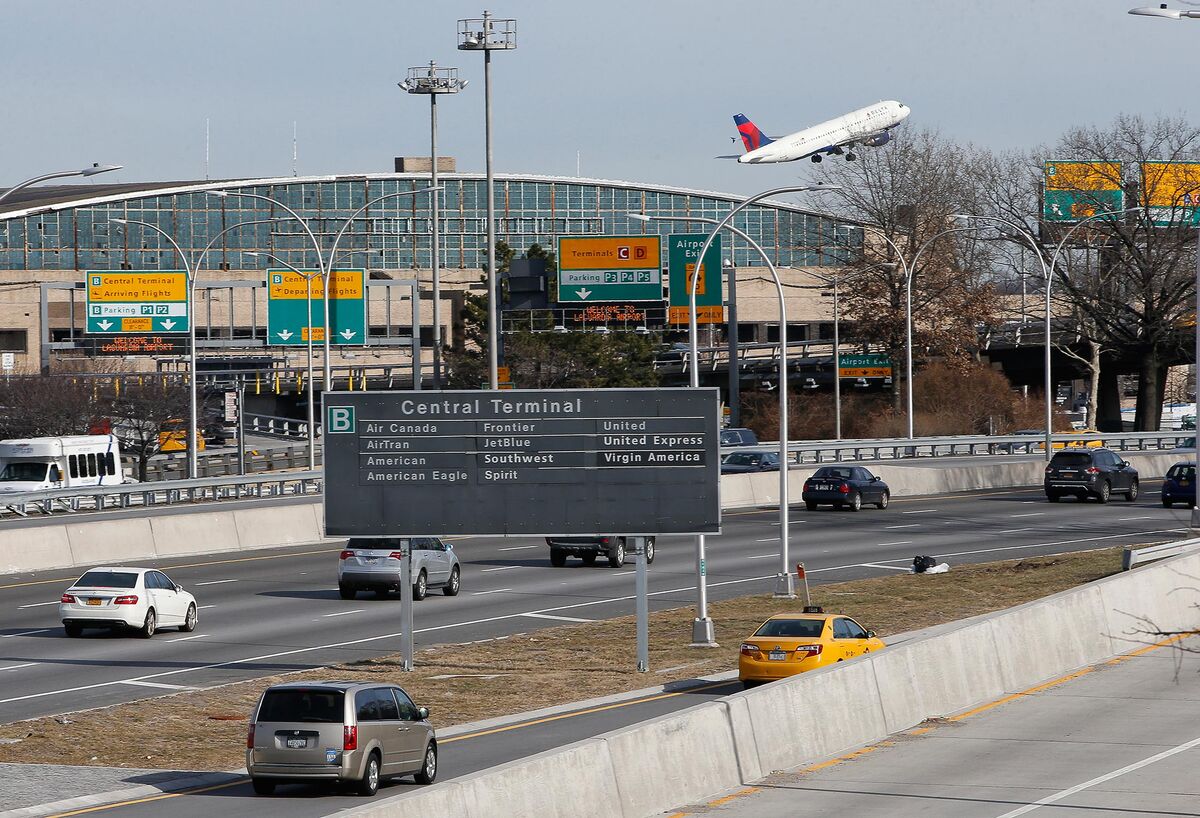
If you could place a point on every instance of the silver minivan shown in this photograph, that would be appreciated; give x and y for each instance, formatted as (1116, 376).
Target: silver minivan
(348, 732)
(373, 564)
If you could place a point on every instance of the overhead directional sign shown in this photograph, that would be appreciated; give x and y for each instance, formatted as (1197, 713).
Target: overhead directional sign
(609, 268)
(288, 297)
(1172, 191)
(1078, 190)
(682, 252)
(136, 301)
(539, 462)
(865, 366)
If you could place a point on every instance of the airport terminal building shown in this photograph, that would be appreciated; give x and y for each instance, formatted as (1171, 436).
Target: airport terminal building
(50, 236)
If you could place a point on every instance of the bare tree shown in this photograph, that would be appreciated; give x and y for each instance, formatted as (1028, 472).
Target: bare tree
(140, 408)
(45, 406)
(906, 191)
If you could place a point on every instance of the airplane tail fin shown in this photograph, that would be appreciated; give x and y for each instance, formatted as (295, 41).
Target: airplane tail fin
(752, 137)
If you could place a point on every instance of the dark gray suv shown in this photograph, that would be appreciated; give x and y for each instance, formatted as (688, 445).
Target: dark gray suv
(1098, 473)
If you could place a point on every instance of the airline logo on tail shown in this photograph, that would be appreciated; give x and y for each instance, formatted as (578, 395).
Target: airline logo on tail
(752, 137)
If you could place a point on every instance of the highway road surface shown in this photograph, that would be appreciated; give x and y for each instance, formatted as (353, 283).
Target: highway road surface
(1120, 739)
(278, 610)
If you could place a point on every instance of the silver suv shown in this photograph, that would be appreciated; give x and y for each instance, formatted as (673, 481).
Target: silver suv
(373, 564)
(356, 732)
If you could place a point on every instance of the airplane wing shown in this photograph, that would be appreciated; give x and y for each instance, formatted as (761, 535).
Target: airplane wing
(729, 156)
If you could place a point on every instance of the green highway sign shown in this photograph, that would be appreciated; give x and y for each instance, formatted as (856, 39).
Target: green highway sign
(288, 297)
(136, 301)
(609, 268)
(682, 251)
(865, 366)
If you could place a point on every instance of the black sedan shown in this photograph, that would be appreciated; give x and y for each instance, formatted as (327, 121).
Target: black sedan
(845, 487)
(1179, 486)
(745, 462)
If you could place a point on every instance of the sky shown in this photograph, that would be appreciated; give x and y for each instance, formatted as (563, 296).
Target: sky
(640, 90)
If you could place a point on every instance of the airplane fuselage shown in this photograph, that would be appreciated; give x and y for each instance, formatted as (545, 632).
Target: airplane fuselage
(866, 126)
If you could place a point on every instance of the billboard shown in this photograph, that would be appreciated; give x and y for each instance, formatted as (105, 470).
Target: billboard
(609, 268)
(1077, 190)
(1172, 191)
(540, 462)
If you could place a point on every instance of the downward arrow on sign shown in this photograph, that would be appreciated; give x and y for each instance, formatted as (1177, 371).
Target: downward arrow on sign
(583, 293)
(287, 333)
(104, 325)
(168, 324)
(347, 334)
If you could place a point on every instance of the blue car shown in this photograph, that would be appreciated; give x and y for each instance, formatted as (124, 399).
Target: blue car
(1179, 486)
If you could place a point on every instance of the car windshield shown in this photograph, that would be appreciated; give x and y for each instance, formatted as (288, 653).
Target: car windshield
(107, 579)
(322, 706)
(1181, 472)
(802, 628)
(24, 471)
(1071, 459)
(741, 459)
(829, 473)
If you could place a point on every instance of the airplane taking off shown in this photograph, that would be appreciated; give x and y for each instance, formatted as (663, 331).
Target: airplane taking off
(870, 126)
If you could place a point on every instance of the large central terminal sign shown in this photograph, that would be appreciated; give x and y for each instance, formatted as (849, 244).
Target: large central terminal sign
(606, 461)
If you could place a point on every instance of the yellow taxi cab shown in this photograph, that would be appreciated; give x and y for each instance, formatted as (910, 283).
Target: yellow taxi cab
(1088, 444)
(791, 643)
(174, 437)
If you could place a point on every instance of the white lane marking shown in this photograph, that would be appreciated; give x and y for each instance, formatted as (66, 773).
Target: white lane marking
(1030, 514)
(15, 667)
(185, 638)
(25, 633)
(342, 613)
(889, 567)
(768, 539)
(622, 573)
(214, 582)
(521, 547)
(202, 607)
(500, 568)
(897, 542)
(489, 620)
(1067, 793)
(906, 525)
(160, 685)
(559, 618)
(762, 556)
(920, 511)
(37, 604)
(1014, 530)
(1029, 502)
(1127, 519)
(1059, 542)
(483, 593)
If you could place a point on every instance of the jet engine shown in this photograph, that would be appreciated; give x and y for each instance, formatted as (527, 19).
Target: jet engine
(875, 140)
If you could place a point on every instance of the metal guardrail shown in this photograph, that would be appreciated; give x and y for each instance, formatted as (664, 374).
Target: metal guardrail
(827, 451)
(272, 426)
(164, 493)
(277, 484)
(1134, 556)
(221, 464)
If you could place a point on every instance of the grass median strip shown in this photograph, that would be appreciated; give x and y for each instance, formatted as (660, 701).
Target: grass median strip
(467, 682)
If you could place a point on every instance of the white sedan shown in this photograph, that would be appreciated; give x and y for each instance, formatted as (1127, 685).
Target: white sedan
(139, 598)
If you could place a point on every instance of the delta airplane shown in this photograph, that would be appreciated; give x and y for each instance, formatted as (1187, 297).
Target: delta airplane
(870, 126)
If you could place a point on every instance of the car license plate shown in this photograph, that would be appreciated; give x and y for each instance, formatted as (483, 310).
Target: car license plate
(823, 487)
(297, 743)
(1068, 474)
(94, 601)
(370, 560)
(777, 655)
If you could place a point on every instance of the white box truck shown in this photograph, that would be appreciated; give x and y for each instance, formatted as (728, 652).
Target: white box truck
(41, 463)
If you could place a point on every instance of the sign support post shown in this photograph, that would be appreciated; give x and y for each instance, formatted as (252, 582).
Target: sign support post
(406, 604)
(643, 606)
(241, 426)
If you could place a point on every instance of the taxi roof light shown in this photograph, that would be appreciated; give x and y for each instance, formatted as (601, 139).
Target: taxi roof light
(817, 609)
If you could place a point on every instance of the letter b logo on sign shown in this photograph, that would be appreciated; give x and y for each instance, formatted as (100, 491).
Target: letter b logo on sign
(340, 420)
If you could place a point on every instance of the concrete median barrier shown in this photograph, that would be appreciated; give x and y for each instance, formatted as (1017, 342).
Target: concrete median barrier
(36, 548)
(182, 534)
(277, 525)
(1160, 597)
(109, 542)
(644, 756)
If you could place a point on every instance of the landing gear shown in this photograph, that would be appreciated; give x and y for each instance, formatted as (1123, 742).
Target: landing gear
(837, 151)
(816, 157)
(851, 156)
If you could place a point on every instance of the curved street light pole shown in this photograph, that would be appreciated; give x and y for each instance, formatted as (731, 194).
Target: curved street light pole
(92, 171)
(189, 270)
(784, 587)
(909, 270)
(325, 262)
(312, 415)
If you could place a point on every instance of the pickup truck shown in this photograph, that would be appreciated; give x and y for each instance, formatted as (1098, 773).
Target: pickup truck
(589, 548)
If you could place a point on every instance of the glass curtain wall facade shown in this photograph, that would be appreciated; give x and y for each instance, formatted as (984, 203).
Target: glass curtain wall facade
(395, 234)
